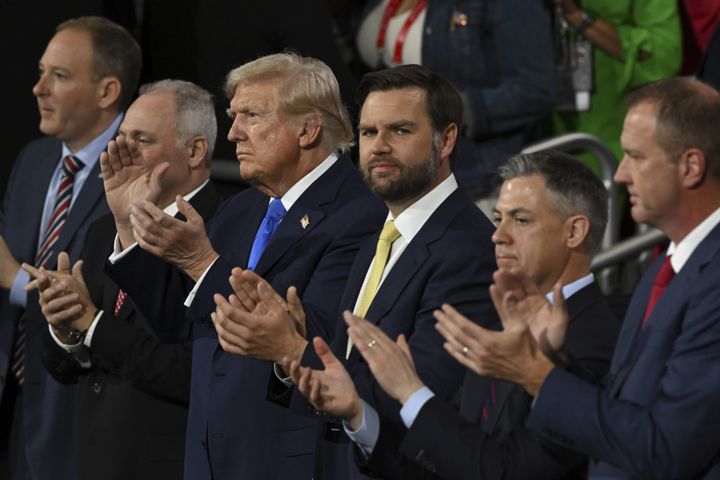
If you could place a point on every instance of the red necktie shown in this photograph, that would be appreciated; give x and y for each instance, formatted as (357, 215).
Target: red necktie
(119, 301)
(662, 279)
(63, 198)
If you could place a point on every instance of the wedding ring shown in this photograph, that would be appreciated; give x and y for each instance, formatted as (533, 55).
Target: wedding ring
(371, 343)
(465, 350)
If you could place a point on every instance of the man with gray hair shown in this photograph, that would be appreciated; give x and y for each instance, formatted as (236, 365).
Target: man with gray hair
(132, 395)
(300, 226)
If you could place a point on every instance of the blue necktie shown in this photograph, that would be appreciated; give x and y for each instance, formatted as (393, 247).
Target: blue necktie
(275, 212)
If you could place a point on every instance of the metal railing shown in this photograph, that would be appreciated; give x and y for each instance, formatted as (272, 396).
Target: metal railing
(627, 249)
(608, 165)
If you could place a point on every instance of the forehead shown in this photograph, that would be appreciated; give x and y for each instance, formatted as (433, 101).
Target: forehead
(152, 110)
(527, 193)
(640, 125)
(263, 93)
(69, 49)
(393, 105)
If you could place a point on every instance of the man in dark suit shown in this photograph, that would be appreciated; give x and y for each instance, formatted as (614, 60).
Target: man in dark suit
(655, 415)
(292, 228)
(131, 406)
(440, 251)
(88, 76)
(550, 217)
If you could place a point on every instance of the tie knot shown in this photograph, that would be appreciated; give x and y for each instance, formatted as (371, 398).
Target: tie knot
(71, 165)
(276, 211)
(389, 232)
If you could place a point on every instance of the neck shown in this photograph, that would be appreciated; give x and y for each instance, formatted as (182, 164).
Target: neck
(399, 206)
(691, 211)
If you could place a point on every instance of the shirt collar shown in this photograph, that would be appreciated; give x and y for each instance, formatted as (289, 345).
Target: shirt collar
(573, 287)
(172, 209)
(90, 153)
(681, 252)
(304, 183)
(411, 220)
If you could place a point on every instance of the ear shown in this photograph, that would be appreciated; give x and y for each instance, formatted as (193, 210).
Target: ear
(109, 89)
(692, 168)
(198, 148)
(448, 140)
(576, 228)
(310, 131)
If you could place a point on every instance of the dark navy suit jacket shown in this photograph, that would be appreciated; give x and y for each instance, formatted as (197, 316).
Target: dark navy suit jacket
(460, 445)
(450, 260)
(657, 415)
(233, 432)
(46, 403)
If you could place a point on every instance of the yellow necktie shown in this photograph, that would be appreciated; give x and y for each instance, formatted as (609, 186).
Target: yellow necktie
(388, 235)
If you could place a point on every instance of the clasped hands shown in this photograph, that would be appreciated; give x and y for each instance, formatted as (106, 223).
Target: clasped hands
(64, 298)
(135, 196)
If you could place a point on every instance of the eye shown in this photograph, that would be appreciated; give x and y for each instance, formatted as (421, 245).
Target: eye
(59, 75)
(496, 220)
(402, 131)
(367, 133)
(521, 221)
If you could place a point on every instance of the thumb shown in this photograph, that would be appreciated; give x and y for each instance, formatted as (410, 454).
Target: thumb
(188, 211)
(324, 353)
(155, 182)
(63, 264)
(77, 273)
(295, 305)
(404, 346)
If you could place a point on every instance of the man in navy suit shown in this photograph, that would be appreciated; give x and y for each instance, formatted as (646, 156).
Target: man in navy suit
(441, 251)
(655, 415)
(301, 225)
(88, 75)
(550, 216)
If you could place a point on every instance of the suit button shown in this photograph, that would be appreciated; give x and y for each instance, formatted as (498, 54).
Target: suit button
(96, 387)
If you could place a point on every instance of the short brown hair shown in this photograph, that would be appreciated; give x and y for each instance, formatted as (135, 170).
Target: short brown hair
(688, 113)
(115, 52)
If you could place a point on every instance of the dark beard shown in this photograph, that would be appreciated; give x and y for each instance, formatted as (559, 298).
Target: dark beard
(413, 180)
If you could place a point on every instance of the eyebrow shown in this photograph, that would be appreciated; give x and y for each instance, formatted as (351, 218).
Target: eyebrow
(391, 126)
(512, 212)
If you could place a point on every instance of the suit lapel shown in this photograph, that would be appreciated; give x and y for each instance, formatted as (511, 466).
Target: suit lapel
(414, 255)
(668, 309)
(92, 192)
(305, 215)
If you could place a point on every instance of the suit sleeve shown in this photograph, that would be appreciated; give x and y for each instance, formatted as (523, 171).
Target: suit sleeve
(674, 433)
(160, 369)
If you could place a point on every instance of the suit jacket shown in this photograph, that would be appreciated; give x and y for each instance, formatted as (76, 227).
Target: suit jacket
(657, 415)
(449, 260)
(460, 445)
(131, 403)
(232, 431)
(45, 402)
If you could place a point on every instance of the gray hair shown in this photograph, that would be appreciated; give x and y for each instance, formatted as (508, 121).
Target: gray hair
(308, 86)
(572, 187)
(194, 110)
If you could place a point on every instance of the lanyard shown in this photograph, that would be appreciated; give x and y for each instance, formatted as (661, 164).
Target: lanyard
(402, 36)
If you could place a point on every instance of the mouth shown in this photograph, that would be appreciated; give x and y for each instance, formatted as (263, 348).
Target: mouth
(382, 166)
(504, 259)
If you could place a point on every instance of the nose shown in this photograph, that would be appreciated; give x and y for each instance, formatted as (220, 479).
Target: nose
(622, 174)
(40, 87)
(380, 145)
(500, 235)
(237, 132)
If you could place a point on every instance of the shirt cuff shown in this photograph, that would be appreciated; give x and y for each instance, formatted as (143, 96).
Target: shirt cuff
(366, 435)
(118, 254)
(193, 292)
(77, 350)
(91, 329)
(280, 374)
(18, 295)
(417, 400)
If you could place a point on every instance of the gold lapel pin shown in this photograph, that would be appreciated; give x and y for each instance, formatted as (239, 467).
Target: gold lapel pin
(305, 221)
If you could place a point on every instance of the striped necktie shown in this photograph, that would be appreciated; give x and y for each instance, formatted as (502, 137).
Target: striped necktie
(63, 198)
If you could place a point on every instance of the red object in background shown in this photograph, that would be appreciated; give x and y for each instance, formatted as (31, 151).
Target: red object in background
(698, 18)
